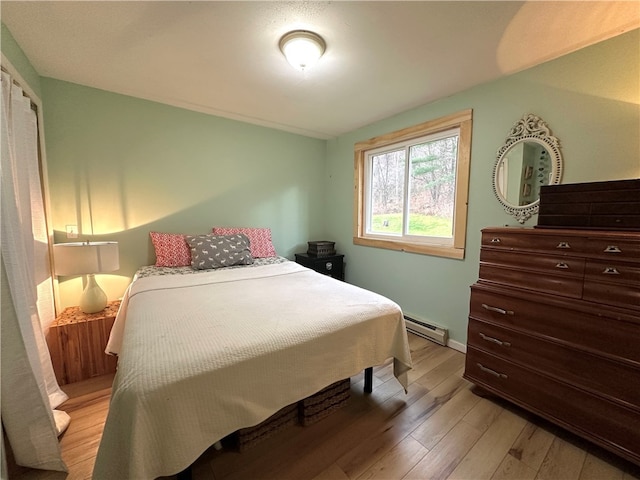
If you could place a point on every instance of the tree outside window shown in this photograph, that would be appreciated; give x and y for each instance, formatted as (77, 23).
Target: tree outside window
(411, 188)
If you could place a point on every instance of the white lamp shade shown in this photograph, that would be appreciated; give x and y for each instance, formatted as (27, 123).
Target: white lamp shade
(85, 258)
(302, 49)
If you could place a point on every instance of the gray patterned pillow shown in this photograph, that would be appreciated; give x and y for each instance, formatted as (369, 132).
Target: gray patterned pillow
(216, 251)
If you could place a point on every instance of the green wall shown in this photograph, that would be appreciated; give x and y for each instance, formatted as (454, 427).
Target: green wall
(590, 99)
(19, 60)
(120, 167)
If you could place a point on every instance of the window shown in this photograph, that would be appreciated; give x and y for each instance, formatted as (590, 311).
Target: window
(411, 188)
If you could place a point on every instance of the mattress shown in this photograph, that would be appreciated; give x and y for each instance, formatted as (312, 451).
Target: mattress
(204, 355)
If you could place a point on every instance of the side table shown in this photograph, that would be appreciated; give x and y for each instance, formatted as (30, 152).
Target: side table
(77, 341)
(331, 265)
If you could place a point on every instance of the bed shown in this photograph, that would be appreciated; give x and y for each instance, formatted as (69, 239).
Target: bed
(205, 353)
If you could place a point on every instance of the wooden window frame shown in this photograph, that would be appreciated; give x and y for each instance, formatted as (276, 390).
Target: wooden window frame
(462, 120)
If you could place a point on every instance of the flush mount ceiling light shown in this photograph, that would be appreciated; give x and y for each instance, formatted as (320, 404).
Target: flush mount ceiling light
(302, 48)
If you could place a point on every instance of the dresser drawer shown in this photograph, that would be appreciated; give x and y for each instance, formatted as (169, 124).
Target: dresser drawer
(559, 281)
(545, 264)
(329, 267)
(515, 240)
(595, 374)
(587, 415)
(613, 249)
(612, 283)
(613, 272)
(591, 329)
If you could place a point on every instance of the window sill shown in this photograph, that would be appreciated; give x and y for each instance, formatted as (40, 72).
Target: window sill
(423, 249)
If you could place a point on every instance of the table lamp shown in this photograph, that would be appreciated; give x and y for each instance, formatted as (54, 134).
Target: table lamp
(87, 258)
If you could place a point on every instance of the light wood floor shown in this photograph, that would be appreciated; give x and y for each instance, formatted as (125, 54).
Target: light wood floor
(439, 430)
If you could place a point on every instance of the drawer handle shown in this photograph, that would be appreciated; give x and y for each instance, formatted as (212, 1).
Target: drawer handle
(328, 265)
(495, 240)
(562, 265)
(497, 310)
(494, 340)
(612, 249)
(611, 271)
(563, 245)
(492, 372)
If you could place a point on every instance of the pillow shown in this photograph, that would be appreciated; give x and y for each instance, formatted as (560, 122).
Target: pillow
(171, 249)
(259, 238)
(215, 251)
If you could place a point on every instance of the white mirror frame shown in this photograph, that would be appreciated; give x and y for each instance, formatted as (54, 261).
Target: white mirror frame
(530, 128)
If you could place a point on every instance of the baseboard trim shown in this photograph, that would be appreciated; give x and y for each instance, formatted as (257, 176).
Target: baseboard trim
(461, 347)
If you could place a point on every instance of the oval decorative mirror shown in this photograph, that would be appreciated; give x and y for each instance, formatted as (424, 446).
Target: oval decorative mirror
(529, 159)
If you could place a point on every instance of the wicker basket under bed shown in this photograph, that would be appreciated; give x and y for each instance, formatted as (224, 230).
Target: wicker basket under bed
(250, 436)
(326, 401)
(305, 412)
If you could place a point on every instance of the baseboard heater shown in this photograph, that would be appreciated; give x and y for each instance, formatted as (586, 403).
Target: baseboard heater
(430, 332)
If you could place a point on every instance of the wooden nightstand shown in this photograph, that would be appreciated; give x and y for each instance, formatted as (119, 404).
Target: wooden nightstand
(332, 265)
(77, 341)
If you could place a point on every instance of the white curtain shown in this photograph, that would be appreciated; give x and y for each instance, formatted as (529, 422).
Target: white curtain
(30, 392)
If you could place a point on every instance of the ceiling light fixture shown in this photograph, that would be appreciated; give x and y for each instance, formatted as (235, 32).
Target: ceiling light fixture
(302, 48)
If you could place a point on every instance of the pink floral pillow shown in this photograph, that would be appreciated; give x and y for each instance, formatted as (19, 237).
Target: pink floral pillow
(171, 249)
(259, 238)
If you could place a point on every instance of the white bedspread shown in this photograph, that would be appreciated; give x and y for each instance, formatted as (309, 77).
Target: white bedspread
(204, 355)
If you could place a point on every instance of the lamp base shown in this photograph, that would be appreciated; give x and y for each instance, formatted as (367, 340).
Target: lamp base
(93, 298)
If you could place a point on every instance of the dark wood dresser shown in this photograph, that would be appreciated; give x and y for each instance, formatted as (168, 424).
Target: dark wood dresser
(554, 327)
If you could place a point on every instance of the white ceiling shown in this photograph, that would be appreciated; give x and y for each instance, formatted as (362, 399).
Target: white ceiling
(382, 58)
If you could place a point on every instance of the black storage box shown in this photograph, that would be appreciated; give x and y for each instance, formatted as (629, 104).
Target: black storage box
(612, 205)
(321, 249)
